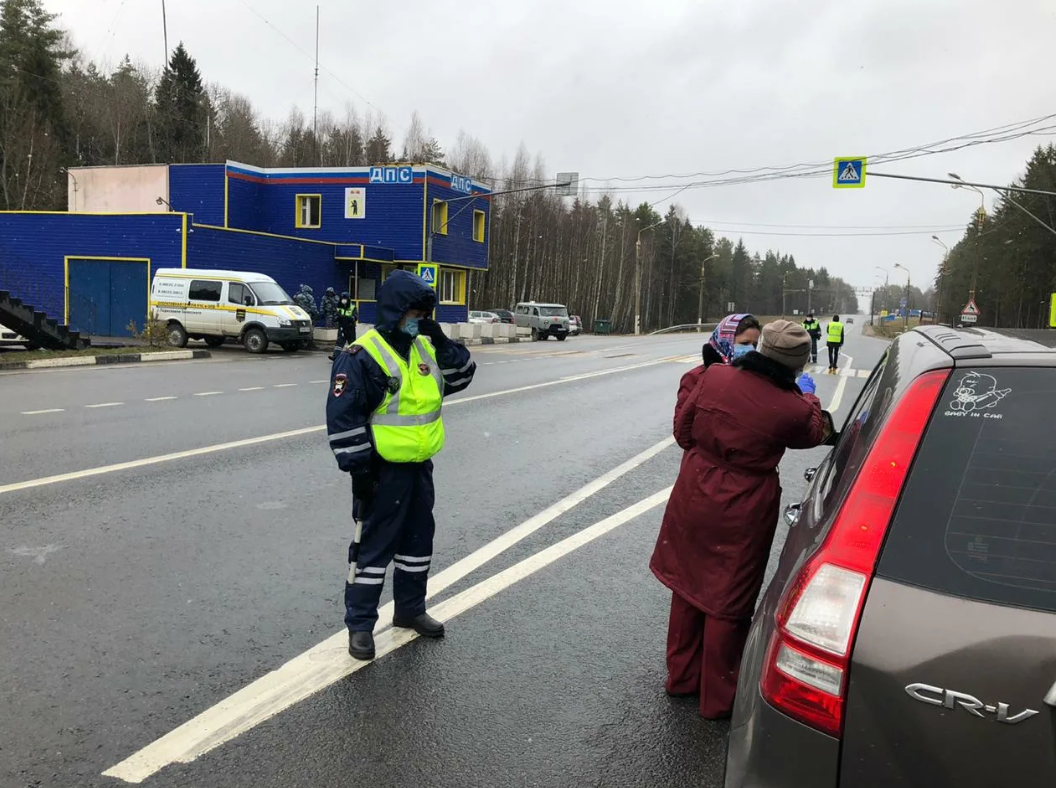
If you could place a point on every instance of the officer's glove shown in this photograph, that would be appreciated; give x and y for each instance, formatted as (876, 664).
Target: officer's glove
(806, 384)
(431, 329)
(362, 494)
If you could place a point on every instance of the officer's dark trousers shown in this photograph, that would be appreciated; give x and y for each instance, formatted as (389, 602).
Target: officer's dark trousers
(346, 332)
(398, 528)
(814, 349)
(834, 354)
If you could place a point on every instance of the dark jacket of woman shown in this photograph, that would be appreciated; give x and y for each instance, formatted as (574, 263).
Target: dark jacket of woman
(720, 521)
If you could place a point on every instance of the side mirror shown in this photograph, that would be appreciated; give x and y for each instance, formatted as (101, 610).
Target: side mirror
(792, 514)
(831, 436)
(810, 473)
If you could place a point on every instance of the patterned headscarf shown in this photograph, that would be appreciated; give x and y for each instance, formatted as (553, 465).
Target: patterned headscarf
(723, 335)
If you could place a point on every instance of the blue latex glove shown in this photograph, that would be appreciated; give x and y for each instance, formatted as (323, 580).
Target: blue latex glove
(806, 384)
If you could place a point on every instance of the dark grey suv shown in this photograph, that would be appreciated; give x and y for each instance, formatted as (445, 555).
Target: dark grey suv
(909, 635)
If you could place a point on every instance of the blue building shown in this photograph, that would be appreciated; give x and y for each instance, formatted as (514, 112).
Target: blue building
(91, 266)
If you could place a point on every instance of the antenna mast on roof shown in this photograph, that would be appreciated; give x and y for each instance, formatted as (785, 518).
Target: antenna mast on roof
(165, 33)
(315, 110)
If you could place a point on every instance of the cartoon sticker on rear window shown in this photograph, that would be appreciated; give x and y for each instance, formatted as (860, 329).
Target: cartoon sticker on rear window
(976, 392)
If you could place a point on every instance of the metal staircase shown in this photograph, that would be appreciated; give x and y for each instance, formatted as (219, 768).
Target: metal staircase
(23, 296)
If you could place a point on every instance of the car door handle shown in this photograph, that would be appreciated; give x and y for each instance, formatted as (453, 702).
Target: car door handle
(810, 473)
(792, 514)
(1050, 698)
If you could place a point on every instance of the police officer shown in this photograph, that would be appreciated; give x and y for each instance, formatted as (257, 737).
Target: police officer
(330, 307)
(813, 327)
(384, 426)
(834, 335)
(347, 317)
(305, 299)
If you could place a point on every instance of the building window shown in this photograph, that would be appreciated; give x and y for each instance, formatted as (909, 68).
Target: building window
(452, 286)
(478, 226)
(439, 217)
(201, 290)
(366, 290)
(309, 211)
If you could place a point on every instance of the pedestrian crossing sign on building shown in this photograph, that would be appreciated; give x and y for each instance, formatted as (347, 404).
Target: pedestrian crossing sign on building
(428, 272)
(849, 173)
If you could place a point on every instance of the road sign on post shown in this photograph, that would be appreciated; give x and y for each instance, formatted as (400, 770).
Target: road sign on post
(970, 313)
(429, 272)
(567, 184)
(848, 172)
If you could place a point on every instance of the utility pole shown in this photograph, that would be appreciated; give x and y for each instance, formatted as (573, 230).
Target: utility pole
(165, 33)
(810, 296)
(700, 305)
(783, 309)
(638, 278)
(315, 106)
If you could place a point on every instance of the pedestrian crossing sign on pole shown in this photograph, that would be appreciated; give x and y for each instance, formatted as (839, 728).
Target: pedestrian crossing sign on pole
(848, 172)
(428, 272)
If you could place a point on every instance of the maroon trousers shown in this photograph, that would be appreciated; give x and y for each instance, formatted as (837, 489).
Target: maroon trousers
(704, 655)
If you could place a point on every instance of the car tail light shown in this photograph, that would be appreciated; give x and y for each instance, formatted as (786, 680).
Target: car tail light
(805, 674)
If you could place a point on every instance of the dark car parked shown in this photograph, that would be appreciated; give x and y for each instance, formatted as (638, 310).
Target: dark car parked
(505, 315)
(909, 635)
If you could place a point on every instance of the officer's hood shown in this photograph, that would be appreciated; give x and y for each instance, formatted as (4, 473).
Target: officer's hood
(400, 292)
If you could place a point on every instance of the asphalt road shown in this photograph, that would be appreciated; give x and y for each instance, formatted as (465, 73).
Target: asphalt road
(136, 601)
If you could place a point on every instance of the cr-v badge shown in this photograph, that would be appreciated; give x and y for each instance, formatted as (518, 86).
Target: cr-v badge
(937, 696)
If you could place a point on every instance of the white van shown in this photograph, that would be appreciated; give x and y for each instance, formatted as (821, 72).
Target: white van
(215, 305)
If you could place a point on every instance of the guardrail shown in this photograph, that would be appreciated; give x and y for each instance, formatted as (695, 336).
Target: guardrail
(686, 327)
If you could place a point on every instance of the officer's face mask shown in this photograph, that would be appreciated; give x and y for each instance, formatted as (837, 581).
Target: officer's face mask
(410, 326)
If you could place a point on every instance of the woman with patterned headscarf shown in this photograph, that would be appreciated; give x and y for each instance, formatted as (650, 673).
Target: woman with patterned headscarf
(734, 336)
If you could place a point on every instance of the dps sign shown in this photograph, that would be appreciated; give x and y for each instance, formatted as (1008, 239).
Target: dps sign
(355, 203)
(429, 272)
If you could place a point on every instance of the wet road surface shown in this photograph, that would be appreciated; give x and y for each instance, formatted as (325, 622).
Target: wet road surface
(137, 603)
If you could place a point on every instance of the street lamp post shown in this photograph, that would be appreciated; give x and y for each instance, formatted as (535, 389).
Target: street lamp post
(942, 277)
(638, 278)
(700, 306)
(981, 217)
(905, 315)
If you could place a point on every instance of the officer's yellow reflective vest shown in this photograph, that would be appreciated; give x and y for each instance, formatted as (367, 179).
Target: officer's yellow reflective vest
(811, 325)
(836, 333)
(407, 426)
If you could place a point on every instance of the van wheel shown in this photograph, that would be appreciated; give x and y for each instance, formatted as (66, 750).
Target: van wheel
(176, 335)
(562, 337)
(291, 347)
(214, 341)
(535, 335)
(255, 341)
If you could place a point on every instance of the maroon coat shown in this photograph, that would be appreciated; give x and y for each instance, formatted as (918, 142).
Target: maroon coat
(719, 525)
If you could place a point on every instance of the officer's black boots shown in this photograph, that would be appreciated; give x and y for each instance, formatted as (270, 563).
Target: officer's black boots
(361, 645)
(425, 625)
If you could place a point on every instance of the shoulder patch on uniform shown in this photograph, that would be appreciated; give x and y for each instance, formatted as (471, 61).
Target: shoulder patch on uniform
(340, 382)
(423, 369)
(353, 349)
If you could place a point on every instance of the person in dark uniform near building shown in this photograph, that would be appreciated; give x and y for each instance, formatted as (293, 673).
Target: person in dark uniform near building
(384, 427)
(834, 336)
(813, 327)
(329, 304)
(347, 317)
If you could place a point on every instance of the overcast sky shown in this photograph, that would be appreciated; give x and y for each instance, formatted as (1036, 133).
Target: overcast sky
(613, 88)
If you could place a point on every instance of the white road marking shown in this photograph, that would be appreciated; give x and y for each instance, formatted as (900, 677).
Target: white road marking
(160, 399)
(253, 388)
(284, 385)
(106, 405)
(329, 662)
(133, 464)
(41, 412)
(864, 373)
(318, 381)
(208, 393)
(837, 398)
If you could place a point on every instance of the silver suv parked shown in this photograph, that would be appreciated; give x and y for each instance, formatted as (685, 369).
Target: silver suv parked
(544, 320)
(909, 635)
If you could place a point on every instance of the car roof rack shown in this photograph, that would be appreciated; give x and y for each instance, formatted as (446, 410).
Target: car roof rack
(956, 343)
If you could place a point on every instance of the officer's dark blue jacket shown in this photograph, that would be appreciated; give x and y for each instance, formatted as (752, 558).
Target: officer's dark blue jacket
(358, 383)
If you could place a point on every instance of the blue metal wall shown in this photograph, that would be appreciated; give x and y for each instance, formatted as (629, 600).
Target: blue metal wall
(266, 200)
(198, 189)
(33, 248)
(457, 247)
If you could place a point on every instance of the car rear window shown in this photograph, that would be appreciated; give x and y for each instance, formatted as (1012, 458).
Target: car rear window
(977, 518)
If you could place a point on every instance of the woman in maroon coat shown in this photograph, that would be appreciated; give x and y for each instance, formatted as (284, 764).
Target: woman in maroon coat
(720, 520)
